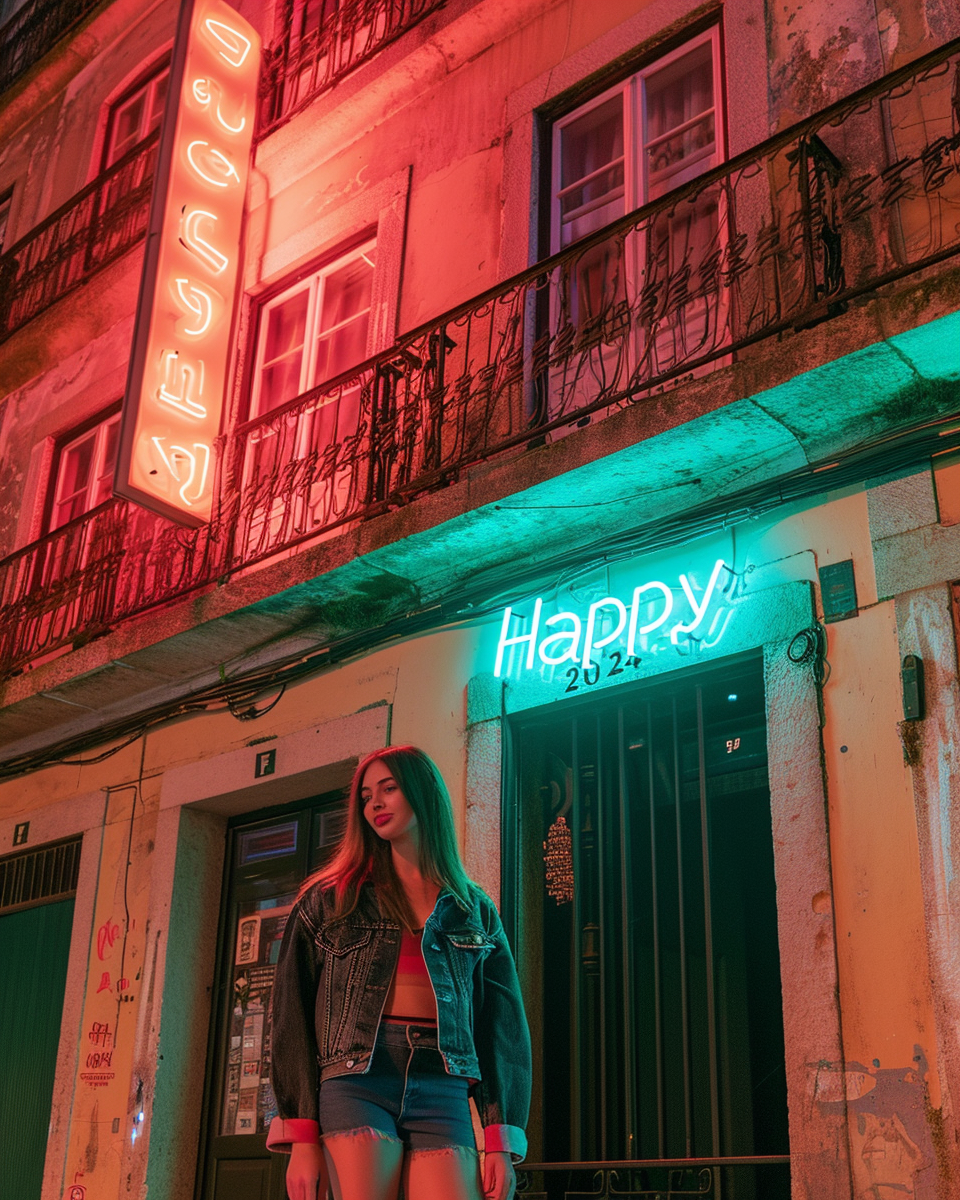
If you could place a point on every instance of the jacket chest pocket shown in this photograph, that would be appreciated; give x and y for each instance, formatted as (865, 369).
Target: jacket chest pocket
(343, 948)
(466, 950)
(340, 940)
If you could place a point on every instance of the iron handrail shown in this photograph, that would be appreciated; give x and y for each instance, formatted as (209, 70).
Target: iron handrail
(94, 227)
(33, 31)
(304, 63)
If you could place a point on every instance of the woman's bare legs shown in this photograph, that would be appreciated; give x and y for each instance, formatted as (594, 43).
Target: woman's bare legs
(450, 1174)
(363, 1165)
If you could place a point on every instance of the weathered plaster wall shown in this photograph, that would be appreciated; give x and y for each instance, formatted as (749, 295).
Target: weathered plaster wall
(86, 372)
(191, 844)
(51, 125)
(889, 1029)
(926, 627)
(885, 1070)
(819, 53)
(468, 91)
(149, 942)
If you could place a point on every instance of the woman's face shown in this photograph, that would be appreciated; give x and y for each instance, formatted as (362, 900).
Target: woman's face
(385, 808)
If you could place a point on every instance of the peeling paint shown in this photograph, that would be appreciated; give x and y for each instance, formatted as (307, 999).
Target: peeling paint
(892, 1147)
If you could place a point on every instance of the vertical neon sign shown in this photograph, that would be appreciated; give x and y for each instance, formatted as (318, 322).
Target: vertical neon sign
(178, 367)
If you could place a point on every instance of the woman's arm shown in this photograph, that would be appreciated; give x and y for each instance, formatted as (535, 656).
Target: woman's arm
(294, 1037)
(502, 1041)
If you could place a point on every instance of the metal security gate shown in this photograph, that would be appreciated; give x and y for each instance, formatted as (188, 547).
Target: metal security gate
(37, 890)
(640, 848)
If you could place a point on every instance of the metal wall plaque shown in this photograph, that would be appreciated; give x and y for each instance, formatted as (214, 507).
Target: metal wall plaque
(838, 589)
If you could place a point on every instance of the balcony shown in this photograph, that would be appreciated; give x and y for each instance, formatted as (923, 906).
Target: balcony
(780, 239)
(95, 227)
(323, 42)
(33, 30)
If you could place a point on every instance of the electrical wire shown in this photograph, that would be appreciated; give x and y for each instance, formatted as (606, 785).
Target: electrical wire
(482, 593)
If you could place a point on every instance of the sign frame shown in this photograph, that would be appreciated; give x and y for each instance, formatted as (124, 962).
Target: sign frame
(153, 307)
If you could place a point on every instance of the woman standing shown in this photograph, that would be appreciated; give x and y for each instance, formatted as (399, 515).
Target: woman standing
(396, 996)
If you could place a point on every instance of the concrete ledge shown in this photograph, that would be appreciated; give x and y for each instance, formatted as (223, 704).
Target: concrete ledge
(307, 762)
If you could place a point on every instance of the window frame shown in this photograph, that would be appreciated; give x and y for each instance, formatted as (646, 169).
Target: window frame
(147, 82)
(98, 427)
(311, 278)
(630, 87)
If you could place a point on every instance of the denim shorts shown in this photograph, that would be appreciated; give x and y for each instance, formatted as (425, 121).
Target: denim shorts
(406, 1095)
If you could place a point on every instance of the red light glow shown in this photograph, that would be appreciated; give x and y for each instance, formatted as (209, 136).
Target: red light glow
(178, 378)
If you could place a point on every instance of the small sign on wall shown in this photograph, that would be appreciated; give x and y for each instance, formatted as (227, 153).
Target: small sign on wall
(266, 763)
(838, 590)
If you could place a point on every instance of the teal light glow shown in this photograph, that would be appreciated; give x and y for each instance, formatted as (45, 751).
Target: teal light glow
(657, 615)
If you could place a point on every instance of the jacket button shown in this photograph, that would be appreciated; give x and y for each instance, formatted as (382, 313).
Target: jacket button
(351, 1062)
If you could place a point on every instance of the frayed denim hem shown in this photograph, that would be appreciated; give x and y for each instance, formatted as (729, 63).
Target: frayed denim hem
(468, 1153)
(363, 1131)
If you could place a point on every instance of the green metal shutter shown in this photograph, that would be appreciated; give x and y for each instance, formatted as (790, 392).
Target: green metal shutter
(36, 890)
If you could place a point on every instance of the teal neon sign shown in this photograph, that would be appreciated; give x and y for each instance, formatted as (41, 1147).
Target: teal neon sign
(655, 611)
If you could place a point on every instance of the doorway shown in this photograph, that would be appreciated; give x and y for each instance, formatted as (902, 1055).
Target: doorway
(268, 857)
(639, 847)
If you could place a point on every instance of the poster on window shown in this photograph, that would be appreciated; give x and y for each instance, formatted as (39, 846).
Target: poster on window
(249, 1104)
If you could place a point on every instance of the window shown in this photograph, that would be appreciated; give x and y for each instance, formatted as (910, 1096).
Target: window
(637, 141)
(626, 148)
(314, 330)
(311, 332)
(136, 115)
(83, 475)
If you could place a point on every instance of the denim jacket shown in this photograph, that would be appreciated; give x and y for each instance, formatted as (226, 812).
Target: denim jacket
(331, 985)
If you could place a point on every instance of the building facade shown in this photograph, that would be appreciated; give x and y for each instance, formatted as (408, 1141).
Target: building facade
(591, 418)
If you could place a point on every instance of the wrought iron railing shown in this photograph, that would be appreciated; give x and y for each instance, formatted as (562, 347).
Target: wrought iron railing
(766, 1176)
(76, 582)
(321, 43)
(94, 227)
(34, 29)
(786, 235)
(780, 237)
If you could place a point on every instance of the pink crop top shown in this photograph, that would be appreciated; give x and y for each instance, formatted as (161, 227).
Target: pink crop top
(411, 997)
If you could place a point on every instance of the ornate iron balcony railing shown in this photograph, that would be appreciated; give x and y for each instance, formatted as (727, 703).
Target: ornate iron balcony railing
(655, 1179)
(786, 235)
(74, 583)
(94, 227)
(33, 30)
(778, 238)
(321, 43)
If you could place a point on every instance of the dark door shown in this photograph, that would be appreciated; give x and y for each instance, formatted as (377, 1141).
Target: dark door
(36, 919)
(267, 860)
(645, 914)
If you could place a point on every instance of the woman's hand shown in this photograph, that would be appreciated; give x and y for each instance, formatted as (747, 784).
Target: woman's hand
(306, 1172)
(499, 1177)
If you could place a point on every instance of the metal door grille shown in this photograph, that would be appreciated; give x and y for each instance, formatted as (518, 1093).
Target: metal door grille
(653, 983)
(39, 876)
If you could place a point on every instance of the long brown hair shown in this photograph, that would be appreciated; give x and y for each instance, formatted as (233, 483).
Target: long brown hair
(363, 856)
